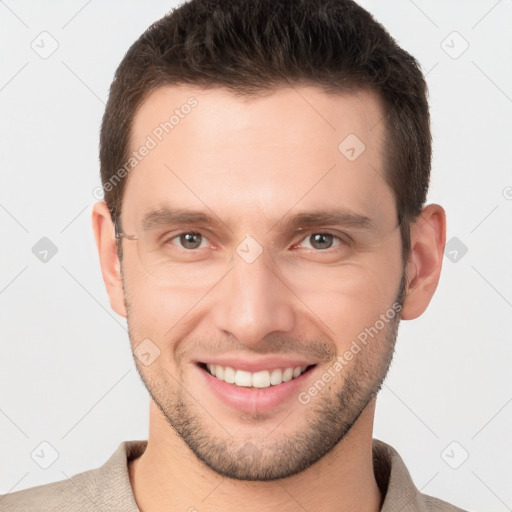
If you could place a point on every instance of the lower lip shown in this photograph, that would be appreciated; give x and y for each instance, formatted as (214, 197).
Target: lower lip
(255, 400)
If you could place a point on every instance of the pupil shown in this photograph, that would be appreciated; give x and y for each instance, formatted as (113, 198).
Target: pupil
(321, 240)
(190, 240)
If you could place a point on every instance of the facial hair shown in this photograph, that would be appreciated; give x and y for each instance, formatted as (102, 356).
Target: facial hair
(329, 418)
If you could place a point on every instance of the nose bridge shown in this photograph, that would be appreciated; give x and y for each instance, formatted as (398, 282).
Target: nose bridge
(253, 302)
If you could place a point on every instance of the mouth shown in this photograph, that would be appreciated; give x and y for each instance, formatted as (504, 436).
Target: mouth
(259, 385)
(257, 380)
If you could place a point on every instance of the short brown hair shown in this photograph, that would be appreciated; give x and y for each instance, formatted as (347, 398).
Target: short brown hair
(251, 47)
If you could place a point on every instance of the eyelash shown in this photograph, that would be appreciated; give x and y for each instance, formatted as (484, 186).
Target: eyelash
(343, 242)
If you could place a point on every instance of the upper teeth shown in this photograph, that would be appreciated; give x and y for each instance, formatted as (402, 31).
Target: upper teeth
(262, 379)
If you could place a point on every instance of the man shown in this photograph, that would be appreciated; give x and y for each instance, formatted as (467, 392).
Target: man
(265, 167)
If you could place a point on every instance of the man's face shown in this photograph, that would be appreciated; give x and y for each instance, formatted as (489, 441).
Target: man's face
(269, 279)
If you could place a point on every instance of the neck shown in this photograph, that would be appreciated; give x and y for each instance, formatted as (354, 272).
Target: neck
(168, 476)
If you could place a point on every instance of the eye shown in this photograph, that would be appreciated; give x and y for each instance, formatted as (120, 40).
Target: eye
(189, 241)
(322, 241)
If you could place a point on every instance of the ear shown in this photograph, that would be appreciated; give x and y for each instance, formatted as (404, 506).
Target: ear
(103, 228)
(428, 238)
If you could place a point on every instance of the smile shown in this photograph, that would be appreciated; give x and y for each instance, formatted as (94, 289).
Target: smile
(260, 379)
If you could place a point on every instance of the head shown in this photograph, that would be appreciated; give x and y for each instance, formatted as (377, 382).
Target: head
(295, 153)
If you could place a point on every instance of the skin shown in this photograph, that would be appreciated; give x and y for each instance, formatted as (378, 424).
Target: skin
(252, 165)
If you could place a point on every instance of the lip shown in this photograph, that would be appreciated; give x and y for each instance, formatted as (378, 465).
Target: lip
(252, 400)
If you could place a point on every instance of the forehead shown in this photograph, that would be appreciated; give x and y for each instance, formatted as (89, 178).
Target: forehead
(294, 148)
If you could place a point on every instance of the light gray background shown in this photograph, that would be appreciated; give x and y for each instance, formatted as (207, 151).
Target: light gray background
(66, 372)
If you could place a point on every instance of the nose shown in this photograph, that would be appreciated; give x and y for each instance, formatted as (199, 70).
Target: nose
(253, 301)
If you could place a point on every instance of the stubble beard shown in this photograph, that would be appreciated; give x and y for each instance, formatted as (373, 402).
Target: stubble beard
(329, 417)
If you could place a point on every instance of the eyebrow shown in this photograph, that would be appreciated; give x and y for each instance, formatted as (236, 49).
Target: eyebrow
(337, 216)
(164, 217)
(168, 217)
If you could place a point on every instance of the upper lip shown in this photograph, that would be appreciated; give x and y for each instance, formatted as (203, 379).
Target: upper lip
(257, 364)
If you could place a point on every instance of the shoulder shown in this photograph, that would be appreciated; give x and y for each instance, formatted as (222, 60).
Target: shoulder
(432, 504)
(397, 487)
(107, 486)
(56, 496)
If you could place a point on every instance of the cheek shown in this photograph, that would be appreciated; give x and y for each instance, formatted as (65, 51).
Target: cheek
(157, 302)
(161, 312)
(354, 298)
(155, 312)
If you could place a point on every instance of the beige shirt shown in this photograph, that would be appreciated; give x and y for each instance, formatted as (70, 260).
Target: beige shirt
(107, 488)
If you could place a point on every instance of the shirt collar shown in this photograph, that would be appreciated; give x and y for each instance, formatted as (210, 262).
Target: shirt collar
(394, 481)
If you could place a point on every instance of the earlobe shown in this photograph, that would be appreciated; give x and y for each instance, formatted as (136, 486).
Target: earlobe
(103, 229)
(428, 238)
